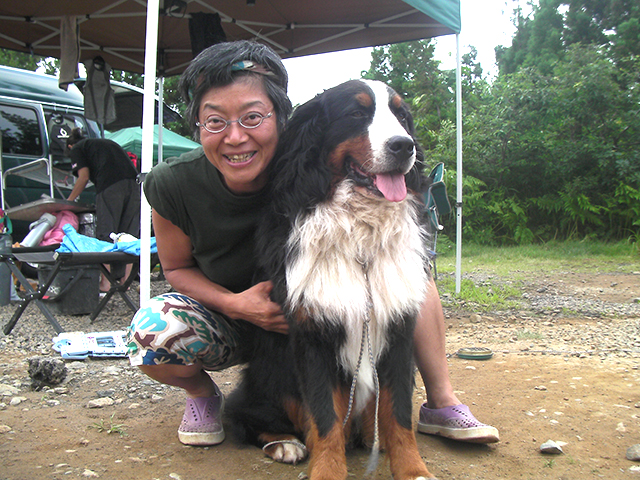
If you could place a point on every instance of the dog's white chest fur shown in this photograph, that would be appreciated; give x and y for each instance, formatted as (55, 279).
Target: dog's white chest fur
(356, 259)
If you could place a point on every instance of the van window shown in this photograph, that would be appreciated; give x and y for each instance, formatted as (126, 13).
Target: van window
(20, 131)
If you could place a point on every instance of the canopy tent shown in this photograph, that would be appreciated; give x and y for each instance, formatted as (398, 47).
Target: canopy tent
(173, 145)
(115, 30)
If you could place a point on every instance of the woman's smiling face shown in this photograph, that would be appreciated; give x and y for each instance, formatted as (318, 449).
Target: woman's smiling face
(240, 154)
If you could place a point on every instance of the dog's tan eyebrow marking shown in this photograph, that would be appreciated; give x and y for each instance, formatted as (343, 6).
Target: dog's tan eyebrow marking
(364, 99)
(396, 101)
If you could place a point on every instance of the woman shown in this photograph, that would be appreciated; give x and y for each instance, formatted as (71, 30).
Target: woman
(205, 210)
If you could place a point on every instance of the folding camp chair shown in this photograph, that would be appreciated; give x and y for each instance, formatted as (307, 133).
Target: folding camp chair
(56, 260)
(436, 204)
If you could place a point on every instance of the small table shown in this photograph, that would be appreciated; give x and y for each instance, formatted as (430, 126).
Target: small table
(48, 256)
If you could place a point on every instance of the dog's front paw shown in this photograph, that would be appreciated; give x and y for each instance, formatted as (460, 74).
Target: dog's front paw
(286, 451)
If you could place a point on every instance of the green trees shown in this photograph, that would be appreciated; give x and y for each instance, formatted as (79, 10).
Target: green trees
(552, 144)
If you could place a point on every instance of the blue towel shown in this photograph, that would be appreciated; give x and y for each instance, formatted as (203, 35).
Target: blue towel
(74, 242)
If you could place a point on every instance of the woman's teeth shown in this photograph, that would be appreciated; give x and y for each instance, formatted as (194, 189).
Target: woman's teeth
(239, 158)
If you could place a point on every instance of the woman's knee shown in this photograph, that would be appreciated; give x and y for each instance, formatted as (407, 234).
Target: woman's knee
(176, 330)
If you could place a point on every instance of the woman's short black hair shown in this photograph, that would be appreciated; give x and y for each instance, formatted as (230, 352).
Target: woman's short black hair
(222, 64)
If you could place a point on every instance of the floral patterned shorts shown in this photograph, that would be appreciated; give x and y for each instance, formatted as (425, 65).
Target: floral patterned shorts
(175, 329)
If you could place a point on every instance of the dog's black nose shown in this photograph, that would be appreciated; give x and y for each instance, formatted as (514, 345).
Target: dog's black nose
(401, 148)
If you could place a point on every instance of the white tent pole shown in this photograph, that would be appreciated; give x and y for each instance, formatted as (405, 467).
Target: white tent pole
(160, 116)
(148, 105)
(458, 165)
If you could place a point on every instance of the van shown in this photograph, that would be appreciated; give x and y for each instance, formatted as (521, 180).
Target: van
(36, 118)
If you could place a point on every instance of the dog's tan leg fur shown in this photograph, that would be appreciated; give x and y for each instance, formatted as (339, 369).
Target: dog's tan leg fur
(400, 444)
(327, 454)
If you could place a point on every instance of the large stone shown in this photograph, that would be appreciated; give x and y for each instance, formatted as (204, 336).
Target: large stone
(46, 371)
(633, 453)
(551, 447)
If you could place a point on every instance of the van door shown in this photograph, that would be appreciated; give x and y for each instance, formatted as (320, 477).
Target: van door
(23, 140)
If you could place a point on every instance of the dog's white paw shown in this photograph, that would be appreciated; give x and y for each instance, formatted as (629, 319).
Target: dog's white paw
(286, 451)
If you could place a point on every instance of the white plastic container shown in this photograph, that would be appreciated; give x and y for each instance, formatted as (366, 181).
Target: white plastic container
(122, 237)
(38, 229)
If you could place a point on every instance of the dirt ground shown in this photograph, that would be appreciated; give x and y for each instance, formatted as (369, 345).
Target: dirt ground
(551, 378)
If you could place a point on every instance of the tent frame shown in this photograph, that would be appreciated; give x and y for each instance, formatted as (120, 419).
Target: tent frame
(147, 150)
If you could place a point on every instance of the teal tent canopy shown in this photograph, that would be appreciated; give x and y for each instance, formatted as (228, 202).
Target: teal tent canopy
(173, 145)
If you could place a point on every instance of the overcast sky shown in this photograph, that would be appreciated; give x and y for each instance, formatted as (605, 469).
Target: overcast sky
(485, 24)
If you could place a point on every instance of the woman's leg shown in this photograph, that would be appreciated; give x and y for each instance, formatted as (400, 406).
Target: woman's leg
(174, 340)
(192, 378)
(442, 413)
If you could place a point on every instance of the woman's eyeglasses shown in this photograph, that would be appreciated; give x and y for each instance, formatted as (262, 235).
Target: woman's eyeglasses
(217, 124)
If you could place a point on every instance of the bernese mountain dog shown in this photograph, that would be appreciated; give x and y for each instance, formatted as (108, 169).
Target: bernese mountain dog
(343, 241)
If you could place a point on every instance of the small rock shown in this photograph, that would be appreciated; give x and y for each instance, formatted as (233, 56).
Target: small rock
(475, 318)
(8, 390)
(17, 401)
(89, 473)
(100, 402)
(621, 428)
(5, 428)
(551, 447)
(633, 453)
(541, 387)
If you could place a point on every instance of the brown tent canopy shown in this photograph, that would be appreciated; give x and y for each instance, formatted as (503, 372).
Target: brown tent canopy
(115, 29)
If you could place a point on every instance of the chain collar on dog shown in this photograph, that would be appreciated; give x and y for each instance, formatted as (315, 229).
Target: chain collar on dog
(366, 338)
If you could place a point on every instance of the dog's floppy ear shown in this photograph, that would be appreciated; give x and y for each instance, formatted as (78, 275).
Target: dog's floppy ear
(298, 179)
(299, 175)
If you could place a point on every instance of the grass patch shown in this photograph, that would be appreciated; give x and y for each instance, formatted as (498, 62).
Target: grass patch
(109, 426)
(529, 335)
(519, 264)
(481, 297)
(520, 261)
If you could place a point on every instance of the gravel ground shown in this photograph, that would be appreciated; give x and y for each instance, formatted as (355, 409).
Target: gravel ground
(565, 367)
(546, 299)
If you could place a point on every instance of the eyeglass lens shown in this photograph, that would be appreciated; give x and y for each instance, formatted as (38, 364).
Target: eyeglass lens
(216, 124)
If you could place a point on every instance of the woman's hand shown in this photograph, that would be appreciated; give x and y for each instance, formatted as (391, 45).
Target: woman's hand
(255, 306)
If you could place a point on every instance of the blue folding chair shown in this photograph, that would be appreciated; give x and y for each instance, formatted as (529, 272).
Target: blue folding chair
(436, 204)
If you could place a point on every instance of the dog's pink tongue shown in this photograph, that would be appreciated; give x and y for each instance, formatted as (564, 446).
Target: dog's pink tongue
(392, 186)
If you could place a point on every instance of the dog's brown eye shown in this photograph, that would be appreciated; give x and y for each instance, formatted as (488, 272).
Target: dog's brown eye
(358, 114)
